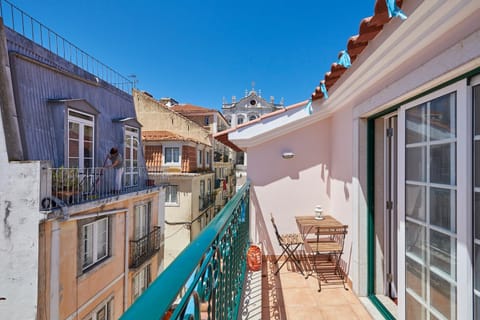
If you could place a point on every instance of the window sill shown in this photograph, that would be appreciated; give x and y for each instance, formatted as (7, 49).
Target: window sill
(85, 273)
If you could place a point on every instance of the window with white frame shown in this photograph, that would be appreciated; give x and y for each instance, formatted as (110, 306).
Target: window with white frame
(102, 312)
(95, 242)
(81, 139)
(240, 119)
(143, 216)
(171, 195)
(171, 155)
(200, 157)
(430, 209)
(140, 282)
(207, 159)
(131, 156)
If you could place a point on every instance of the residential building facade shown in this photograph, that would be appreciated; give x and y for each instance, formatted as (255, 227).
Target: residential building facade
(223, 156)
(392, 153)
(179, 154)
(76, 245)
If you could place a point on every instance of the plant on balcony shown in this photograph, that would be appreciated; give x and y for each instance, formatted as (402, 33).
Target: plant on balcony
(65, 183)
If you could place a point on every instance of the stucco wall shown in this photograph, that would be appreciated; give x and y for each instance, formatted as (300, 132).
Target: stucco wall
(19, 194)
(155, 116)
(289, 187)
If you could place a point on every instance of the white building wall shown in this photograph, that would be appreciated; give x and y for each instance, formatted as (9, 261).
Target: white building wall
(20, 216)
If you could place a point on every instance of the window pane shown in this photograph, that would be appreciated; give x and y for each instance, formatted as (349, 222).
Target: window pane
(87, 245)
(477, 267)
(442, 296)
(476, 209)
(415, 277)
(476, 108)
(442, 252)
(414, 310)
(73, 130)
(102, 238)
(415, 202)
(88, 133)
(416, 124)
(73, 149)
(442, 203)
(476, 163)
(416, 164)
(442, 118)
(415, 240)
(442, 164)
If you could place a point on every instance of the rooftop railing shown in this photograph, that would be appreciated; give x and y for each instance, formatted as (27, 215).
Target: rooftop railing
(29, 27)
(208, 275)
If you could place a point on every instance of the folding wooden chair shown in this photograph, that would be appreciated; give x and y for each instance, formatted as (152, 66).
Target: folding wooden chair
(289, 243)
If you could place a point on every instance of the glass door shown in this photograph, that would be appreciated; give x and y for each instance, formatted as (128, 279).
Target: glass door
(430, 192)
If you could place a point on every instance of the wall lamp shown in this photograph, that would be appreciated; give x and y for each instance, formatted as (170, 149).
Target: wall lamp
(288, 155)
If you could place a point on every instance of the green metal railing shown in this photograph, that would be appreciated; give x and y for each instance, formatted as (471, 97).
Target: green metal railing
(208, 275)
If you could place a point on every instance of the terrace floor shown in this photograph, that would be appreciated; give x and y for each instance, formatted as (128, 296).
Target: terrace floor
(288, 295)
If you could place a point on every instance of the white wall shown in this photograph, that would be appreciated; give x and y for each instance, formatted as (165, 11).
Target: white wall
(19, 213)
(289, 187)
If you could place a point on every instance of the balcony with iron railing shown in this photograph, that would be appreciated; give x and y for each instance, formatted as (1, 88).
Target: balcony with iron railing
(208, 275)
(145, 247)
(206, 201)
(72, 186)
(210, 279)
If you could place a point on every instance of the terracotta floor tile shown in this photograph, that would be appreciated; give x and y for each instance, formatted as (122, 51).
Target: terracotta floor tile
(288, 295)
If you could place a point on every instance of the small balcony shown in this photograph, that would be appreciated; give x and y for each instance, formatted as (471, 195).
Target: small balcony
(144, 248)
(71, 186)
(210, 279)
(205, 201)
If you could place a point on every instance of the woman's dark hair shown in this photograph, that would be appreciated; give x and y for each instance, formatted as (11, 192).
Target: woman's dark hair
(113, 151)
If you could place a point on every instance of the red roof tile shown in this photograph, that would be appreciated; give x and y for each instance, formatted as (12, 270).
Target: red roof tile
(163, 135)
(368, 30)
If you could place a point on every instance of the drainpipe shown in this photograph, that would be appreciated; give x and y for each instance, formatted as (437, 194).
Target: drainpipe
(125, 281)
(54, 270)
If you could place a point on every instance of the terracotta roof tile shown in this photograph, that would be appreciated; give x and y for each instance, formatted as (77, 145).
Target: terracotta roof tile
(163, 135)
(190, 108)
(368, 30)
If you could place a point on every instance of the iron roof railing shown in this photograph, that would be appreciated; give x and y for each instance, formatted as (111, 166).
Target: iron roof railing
(29, 27)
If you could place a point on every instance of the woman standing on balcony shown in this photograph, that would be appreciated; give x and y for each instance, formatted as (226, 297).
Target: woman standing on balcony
(117, 164)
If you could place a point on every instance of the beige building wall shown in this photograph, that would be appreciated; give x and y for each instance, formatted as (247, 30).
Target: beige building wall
(153, 115)
(82, 292)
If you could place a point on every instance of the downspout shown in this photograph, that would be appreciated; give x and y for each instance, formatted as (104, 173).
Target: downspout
(125, 279)
(9, 116)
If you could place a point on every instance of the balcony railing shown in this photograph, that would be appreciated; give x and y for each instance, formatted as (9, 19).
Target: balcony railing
(142, 249)
(19, 21)
(209, 272)
(71, 186)
(206, 201)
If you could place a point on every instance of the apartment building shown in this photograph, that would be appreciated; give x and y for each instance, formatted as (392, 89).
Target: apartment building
(178, 153)
(223, 156)
(75, 244)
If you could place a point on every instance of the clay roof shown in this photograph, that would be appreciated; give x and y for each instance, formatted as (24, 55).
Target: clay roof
(190, 108)
(163, 135)
(368, 30)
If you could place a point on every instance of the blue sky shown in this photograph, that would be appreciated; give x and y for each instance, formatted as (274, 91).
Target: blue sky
(201, 51)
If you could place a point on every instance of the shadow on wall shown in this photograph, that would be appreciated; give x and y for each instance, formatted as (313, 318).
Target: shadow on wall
(261, 226)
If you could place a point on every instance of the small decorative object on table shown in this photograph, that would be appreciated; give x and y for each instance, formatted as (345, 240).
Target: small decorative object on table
(318, 212)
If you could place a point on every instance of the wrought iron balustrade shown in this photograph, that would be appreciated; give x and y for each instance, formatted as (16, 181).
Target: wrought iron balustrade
(71, 186)
(145, 247)
(206, 201)
(209, 273)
